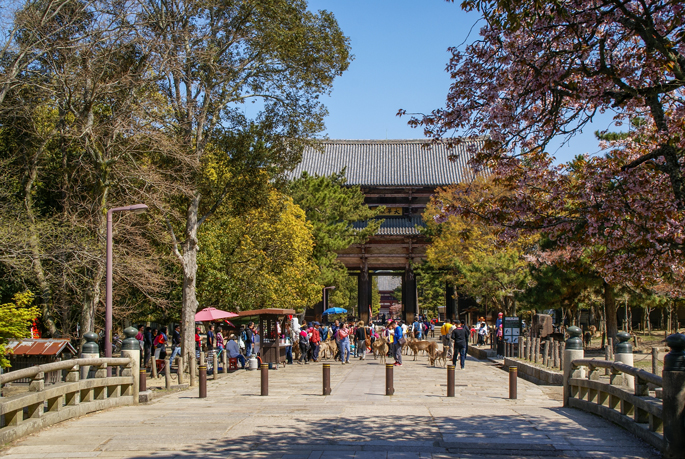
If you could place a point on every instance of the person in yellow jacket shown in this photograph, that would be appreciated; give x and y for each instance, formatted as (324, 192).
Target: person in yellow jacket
(446, 331)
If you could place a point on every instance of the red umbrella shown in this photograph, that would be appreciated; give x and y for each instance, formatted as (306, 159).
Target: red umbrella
(210, 314)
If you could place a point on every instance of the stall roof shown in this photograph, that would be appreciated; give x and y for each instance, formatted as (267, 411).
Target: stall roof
(274, 311)
(52, 346)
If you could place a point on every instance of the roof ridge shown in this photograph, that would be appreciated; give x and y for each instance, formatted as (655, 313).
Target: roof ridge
(386, 141)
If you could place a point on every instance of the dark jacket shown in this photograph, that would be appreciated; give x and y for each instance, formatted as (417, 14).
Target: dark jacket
(360, 334)
(176, 338)
(460, 336)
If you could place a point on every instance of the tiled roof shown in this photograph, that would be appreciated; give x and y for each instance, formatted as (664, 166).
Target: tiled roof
(43, 346)
(389, 162)
(397, 226)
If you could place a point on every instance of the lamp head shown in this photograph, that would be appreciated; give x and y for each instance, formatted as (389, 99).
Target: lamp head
(138, 208)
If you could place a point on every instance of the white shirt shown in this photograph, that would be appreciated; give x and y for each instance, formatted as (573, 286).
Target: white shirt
(404, 329)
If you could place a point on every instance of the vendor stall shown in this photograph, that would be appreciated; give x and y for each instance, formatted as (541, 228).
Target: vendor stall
(272, 340)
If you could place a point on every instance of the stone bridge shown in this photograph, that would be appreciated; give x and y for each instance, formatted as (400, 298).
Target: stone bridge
(356, 420)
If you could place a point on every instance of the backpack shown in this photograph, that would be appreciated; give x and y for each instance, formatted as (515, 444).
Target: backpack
(243, 336)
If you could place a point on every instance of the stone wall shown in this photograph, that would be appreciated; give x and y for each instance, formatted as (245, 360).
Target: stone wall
(534, 373)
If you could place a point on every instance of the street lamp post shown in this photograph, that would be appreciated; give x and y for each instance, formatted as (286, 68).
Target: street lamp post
(137, 208)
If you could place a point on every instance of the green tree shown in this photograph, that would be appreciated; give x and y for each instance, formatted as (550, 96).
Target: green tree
(260, 259)
(209, 59)
(15, 322)
(332, 207)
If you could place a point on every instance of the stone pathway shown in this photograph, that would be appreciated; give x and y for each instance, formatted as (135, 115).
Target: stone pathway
(355, 421)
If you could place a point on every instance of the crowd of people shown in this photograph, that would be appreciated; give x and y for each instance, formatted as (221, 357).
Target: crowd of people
(304, 342)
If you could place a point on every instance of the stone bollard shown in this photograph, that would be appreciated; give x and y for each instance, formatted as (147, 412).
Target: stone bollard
(545, 353)
(526, 350)
(655, 360)
(674, 397)
(180, 369)
(215, 362)
(572, 351)
(624, 354)
(518, 348)
(130, 348)
(556, 355)
(167, 373)
(537, 349)
(192, 366)
(224, 361)
(607, 356)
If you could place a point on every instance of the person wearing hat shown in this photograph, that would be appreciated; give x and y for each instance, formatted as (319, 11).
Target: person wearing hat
(233, 350)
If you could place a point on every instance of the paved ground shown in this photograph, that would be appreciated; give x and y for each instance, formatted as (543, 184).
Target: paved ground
(357, 420)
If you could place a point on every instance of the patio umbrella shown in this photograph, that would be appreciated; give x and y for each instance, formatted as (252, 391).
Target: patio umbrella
(210, 314)
(334, 311)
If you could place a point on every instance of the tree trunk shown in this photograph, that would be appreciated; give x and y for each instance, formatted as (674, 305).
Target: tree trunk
(610, 306)
(189, 259)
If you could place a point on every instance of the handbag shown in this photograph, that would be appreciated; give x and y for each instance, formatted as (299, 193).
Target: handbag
(402, 341)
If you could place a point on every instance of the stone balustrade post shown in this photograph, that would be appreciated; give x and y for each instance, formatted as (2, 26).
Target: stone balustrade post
(131, 348)
(624, 354)
(545, 353)
(674, 397)
(573, 350)
(224, 361)
(655, 360)
(555, 364)
(89, 350)
(73, 376)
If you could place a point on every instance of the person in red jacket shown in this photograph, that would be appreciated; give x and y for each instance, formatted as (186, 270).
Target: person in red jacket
(315, 341)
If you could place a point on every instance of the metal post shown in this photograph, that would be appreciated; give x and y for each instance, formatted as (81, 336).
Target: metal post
(327, 379)
(108, 291)
(389, 389)
(674, 397)
(450, 380)
(142, 384)
(265, 379)
(203, 381)
(513, 380)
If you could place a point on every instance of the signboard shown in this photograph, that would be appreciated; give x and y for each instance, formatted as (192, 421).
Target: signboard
(512, 329)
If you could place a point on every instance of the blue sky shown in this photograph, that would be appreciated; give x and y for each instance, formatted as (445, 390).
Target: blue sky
(400, 50)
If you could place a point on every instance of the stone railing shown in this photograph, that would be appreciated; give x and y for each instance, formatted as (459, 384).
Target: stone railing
(652, 407)
(44, 405)
(638, 411)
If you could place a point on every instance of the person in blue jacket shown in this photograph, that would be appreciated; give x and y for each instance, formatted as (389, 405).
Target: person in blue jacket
(397, 342)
